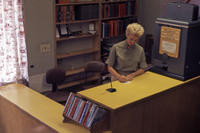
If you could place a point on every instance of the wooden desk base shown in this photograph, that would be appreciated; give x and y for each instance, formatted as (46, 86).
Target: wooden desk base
(176, 110)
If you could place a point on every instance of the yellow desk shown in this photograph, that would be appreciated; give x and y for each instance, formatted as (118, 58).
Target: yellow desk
(22, 110)
(140, 87)
(150, 103)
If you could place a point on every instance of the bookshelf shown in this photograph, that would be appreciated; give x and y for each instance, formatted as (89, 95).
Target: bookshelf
(84, 28)
(116, 15)
(77, 35)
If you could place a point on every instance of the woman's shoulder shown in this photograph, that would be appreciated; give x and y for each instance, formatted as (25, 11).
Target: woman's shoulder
(138, 46)
(120, 44)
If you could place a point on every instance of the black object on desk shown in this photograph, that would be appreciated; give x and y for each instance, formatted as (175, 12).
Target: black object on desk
(111, 90)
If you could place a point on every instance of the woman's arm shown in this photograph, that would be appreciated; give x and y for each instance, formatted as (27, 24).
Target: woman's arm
(132, 75)
(121, 78)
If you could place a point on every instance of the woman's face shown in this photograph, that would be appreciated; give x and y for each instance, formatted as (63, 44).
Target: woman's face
(132, 39)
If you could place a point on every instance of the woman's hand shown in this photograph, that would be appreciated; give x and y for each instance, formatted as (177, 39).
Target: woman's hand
(130, 76)
(122, 78)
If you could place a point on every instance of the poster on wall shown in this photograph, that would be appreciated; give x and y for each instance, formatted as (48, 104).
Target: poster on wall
(169, 41)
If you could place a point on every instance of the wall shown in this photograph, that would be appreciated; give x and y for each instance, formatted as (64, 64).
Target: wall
(148, 11)
(39, 30)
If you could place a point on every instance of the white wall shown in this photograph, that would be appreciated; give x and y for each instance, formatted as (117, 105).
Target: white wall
(39, 29)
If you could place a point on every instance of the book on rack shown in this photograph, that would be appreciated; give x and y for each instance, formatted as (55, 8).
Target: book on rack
(97, 115)
(82, 111)
(69, 99)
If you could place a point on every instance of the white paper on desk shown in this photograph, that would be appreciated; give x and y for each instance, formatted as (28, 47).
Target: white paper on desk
(127, 82)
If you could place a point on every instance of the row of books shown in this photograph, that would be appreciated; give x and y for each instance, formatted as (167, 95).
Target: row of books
(83, 12)
(118, 9)
(72, 1)
(82, 111)
(114, 28)
(64, 13)
(107, 44)
(78, 12)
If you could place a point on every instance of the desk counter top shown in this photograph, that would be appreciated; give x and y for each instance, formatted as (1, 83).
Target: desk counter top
(40, 107)
(139, 88)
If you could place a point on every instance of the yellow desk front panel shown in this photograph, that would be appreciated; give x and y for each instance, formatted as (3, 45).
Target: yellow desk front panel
(40, 107)
(140, 87)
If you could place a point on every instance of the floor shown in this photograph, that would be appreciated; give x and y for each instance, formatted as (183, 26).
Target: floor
(61, 96)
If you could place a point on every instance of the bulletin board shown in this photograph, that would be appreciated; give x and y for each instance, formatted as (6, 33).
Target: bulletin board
(170, 41)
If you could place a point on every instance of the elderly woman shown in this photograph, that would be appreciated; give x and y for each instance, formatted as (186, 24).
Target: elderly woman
(127, 59)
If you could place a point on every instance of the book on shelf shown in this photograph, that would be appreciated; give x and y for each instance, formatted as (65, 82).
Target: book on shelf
(63, 1)
(114, 28)
(64, 13)
(130, 8)
(62, 30)
(87, 0)
(57, 33)
(82, 111)
(118, 9)
(83, 12)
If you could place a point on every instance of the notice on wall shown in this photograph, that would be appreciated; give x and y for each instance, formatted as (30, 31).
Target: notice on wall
(170, 41)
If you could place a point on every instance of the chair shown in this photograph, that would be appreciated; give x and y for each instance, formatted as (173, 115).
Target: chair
(55, 77)
(94, 67)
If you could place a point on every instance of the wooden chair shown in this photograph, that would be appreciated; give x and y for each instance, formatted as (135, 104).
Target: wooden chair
(56, 76)
(91, 68)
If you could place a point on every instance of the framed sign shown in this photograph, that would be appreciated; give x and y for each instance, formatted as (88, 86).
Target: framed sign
(170, 41)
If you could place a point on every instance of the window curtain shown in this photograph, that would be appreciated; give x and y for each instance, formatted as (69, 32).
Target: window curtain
(13, 54)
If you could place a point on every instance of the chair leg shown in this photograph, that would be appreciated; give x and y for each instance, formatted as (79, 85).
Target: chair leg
(54, 88)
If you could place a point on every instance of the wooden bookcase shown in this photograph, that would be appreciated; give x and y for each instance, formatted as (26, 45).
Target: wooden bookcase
(77, 35)
(116, 15)
(80, 31)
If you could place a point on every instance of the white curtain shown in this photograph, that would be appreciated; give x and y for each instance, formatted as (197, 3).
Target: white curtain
(13, 54)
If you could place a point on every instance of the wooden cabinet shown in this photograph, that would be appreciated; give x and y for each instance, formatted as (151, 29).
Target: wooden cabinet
(80, 29)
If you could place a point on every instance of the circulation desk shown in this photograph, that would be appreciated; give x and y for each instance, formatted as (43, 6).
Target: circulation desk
(23, 110)
(150, 103)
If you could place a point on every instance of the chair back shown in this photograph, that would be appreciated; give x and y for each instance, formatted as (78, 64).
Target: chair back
(95, 66)
(55, 77)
